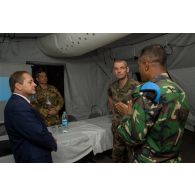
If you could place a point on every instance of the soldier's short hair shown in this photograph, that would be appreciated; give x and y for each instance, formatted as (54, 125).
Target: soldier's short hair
(38, 72)
(16, 77)
(121, 60)
(155, 52)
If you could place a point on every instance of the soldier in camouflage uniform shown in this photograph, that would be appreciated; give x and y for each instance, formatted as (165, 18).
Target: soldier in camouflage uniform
(48, 100)
(120, 93)
(159, 112)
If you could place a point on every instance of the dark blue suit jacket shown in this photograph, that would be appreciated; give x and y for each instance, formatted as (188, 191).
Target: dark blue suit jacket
(29, 138)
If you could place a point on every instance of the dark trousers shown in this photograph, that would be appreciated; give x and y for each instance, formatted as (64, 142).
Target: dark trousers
(43, 159)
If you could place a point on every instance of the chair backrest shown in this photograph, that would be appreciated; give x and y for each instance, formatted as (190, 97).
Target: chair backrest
(5, 148)
(71, 118)
(2, 129)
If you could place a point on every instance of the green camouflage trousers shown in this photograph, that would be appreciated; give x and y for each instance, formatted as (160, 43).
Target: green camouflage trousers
(121, 152)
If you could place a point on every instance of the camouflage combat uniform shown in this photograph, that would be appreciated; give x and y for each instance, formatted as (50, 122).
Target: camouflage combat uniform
(156, 130)
(55, 99)
(121, 152)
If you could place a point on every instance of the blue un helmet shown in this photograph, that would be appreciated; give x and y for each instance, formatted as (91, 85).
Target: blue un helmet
(152, 91)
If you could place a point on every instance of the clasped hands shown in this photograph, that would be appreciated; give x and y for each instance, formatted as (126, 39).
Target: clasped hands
(124, 109)
(53, 111)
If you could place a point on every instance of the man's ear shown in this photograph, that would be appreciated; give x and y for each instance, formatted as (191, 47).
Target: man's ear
(127, 69)
(18, 86)
(146, 66)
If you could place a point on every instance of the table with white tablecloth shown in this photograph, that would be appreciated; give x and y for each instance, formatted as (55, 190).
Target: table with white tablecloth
(79, 139)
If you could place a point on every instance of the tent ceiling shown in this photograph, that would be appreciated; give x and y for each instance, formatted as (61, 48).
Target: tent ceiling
(132, 39)
(23, 35)
(77, 44)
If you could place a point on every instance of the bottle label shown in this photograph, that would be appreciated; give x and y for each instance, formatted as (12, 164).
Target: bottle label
(64, 123)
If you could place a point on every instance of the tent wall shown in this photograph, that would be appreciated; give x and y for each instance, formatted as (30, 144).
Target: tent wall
(87, 78)
(13, 57)
(180, 65)
(22, 50)
(86, 85)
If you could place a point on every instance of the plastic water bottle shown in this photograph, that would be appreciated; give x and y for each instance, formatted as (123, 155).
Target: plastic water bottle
(64, 122)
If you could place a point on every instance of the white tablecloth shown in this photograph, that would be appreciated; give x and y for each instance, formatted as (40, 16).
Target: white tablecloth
(82, 138)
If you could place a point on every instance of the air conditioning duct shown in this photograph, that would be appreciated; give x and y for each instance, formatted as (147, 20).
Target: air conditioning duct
(75, 44)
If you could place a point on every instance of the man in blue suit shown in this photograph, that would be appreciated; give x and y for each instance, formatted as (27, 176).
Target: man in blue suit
(30, 140)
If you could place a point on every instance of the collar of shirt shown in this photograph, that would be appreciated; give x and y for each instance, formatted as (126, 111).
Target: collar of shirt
(160, 77)
(22, 97)
(125, 86)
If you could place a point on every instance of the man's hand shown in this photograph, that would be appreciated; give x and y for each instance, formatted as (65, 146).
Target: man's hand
(124, 109)
(52, 111)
